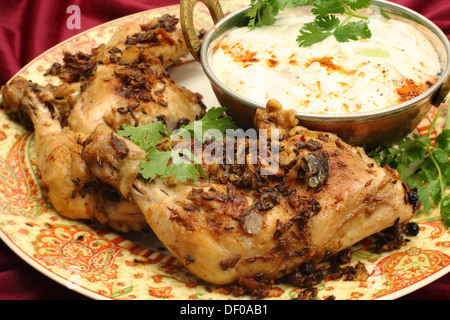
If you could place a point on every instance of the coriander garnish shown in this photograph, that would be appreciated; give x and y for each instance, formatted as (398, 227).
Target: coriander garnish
(179, 163)
(326, 23)
(424, 165)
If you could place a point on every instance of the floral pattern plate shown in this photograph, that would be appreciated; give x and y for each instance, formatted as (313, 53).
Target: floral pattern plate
(103, 264)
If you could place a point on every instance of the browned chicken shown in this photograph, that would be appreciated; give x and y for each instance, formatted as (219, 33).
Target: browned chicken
(134, 94)
(239, 223)
(73, 191)
(125, 81)
(122, 82)
(161, 38)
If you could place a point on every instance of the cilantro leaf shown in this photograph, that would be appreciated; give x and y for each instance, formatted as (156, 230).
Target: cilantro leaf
(425, 192)
(179, 163)
(440, 156)
(145, 136)
(358, 4)
(323, 27)
(445, 211)
(264, 12)
(157, 164)
(260, 14)
(446, 173)
(443, 140)
(278, 5)
(325, 24)
(182, 166)
(298, 3)
(312, 33)
(323, 8)
(424, 165)
(211, 123)
(352, 31)
(328, 22)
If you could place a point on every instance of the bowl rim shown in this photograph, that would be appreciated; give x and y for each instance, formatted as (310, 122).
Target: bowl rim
(348, 117)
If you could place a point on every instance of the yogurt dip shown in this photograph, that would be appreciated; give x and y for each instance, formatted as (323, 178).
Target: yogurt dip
(396, 64)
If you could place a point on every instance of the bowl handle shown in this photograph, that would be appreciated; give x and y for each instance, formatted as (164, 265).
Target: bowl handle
(187, 22)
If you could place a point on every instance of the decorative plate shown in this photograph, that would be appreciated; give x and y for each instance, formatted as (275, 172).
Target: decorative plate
(103, 264)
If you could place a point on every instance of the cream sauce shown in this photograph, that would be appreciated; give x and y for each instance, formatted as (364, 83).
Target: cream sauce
(394, 65)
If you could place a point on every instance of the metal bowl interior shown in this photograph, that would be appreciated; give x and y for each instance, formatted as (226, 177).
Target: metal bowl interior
(369, 129)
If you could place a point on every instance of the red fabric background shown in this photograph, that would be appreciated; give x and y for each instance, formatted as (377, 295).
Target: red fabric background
(30, 27)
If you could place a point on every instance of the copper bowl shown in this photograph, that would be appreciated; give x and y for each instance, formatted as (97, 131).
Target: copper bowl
(368, 129)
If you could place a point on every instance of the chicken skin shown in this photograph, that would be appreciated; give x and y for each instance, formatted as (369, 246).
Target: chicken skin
(73, 191)
(247, 220)
(161, 38)
(135, 94)
(125, 81)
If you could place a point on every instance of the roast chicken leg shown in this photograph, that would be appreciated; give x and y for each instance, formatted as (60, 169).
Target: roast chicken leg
(239, 223)
(73, 191)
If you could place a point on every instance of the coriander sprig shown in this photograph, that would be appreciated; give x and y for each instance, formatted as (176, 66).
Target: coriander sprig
(325, 24)
(424, 165)
(177, 162)
(264, 12)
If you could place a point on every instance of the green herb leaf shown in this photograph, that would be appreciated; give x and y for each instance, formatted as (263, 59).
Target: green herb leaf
(260, 14)
(145, 136)
(264, 12)
(210, 126)
(352, 31)
(446, 173)
(179, 163)
(298, 3)
(322, 8)
(312, 33)
(358, 4)
(424, 165)
(185, 166)
(445, 211)
(443, 140)
(328, 22)
(157, 164)
(428, 193)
